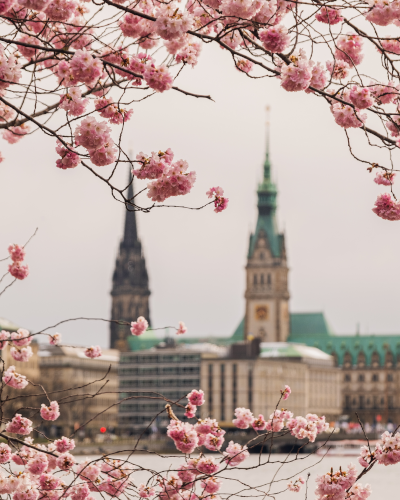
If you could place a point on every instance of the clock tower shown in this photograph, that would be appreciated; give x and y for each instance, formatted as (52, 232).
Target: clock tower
(267, 294)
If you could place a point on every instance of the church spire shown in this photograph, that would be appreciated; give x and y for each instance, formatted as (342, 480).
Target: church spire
(130, 231)
(267, 164)
(267, 190)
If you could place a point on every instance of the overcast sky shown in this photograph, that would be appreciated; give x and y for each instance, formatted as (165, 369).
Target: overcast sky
(343, 259)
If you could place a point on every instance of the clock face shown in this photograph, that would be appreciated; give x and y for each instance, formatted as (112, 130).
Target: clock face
(261, 312)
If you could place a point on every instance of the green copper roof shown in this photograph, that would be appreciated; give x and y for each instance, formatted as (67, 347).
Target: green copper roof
(266, 222)
(308, 324)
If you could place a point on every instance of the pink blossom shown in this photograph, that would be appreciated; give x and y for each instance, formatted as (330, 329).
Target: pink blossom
(196, 398)
(146, 491)
(334, 485)
(386, 207)
(339, 69)
(14, 379)
(297, 75)
(385, 94)
(307, 427)
(184, 436)
(79, 492)
(329, 16)
(108, 109)
(92, 134)
(245, 9)
(360, 492)
(18, 271)
(208, 426)
(51, 412)
(391, 46)
(349, 49)
(207, 465)
(186, 473)
(93, 351)
(366, 457)
(318, 78)
(85, 68)
(21, 337)
(65, 461)
(73, 103)
(295, 487)
(55, 339)
(386, 179)
(88, 471)
(171, 23)
(244, 418)
(139, 63)
(275, 39)
(60, 10)
(346, 116)
(27, 52)
(169, 487)
(190, 411)
(286, 392)
(190, 53)
(69, 159)
(28, 494)
(14, 134)
(34, 4)
(235, 454)
(64, 444)
(387, 450)
(38, 464)
(259, 424)
(22, 353)
(278, 419)
(244, 65)
(6, 5)
(16, 252)
(211, 485)
(10, 72)
(5, 453)
(382, 13)
(19, 424)
(159, 79)
(361, 97)
(182, 328)
(175, 181)
(139, 326)
(220, 203)
(213, 443)
(104, 155)
(4, 337)
(135, 26)
(49, 482)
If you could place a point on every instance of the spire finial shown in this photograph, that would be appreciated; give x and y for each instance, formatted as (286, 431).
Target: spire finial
(267, 165)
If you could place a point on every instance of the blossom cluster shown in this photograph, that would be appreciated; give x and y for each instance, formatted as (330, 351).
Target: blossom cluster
(17, 269)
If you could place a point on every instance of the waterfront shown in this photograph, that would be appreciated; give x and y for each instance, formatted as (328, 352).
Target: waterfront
(383, 480)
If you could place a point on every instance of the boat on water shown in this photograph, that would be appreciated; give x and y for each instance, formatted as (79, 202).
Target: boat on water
(344, 447)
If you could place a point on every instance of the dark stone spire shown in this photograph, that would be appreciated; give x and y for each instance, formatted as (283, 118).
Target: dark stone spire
(130, 232)
(130, 292)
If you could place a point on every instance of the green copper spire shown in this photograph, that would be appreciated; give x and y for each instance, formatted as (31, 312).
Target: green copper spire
(267, 190)
(266, 221)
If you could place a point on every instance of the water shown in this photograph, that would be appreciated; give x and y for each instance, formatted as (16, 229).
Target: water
(240, 483)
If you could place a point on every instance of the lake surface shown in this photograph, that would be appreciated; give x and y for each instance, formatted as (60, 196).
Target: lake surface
(240, 483)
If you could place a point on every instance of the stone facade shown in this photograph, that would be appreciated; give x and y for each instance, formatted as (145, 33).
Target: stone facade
(267, 294)
(256, 383)
(130, 292)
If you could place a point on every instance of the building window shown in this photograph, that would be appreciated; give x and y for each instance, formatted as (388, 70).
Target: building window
(262, 279)
(382, 401)
(391, 402)
(210, 388)
(261, 255)
(269, 279)
(347, 378)
(255, 279)
(361, 401)
(234, 386)
(375, 377)
(222, 392)
(389, 377)
(361, 377)
(347, 401)
(250, 388)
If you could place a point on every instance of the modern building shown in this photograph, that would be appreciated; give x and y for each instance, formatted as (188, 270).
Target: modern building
(130, 292)
(253, 377)
(152, 378)
(75, 380)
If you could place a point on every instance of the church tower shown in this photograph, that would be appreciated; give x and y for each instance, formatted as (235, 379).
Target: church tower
(267, 294)
(130, 292)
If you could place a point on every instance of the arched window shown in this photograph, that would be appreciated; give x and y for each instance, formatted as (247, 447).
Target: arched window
(347, 361)
(375, 360)
(361, 360)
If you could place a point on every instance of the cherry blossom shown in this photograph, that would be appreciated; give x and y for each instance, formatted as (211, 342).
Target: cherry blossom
(182, 328)
(307, 427)
(55, 339)
(65, 461)
(244, 418)
(349, 49)
(275, 39)
(386, 179)
(297, 75)
(296, 485)
(139, 326)
(14, 379)
(259, 424)
(211, 485)
(16, 252)
(19, 424)
(93, 352)
(329, 16)
(184, 436)
(69, 158)
(21, 337)
(220, 203)
(51, 412)
(334, 485)
(64, 444)
(286, 392)
(21, 354)
(190, 410)
(18, 271)
(196, 398)
(361, 97)
(213, 443)
(386, 207)
(235, 454)
(5, 453)
(73, 103)
(4, 338)
(171, 23)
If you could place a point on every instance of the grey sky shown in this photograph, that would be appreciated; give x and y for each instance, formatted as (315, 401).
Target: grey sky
(342, 258)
